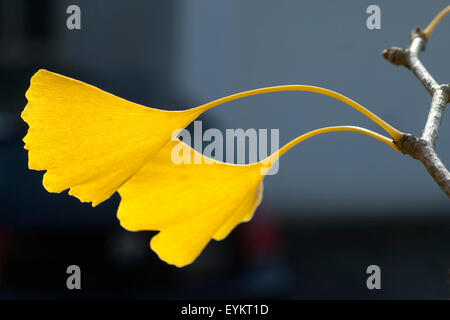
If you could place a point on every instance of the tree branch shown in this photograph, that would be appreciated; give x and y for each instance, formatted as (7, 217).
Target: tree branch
(437, 109)
(422, 148)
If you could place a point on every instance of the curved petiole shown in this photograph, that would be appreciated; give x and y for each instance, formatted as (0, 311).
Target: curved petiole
(278, 154)
(430, 28)
(396, 134)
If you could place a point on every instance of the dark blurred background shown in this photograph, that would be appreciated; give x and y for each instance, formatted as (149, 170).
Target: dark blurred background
(340, 202)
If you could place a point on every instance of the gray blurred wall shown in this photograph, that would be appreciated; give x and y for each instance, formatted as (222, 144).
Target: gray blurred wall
(229, 46)
(221, 47)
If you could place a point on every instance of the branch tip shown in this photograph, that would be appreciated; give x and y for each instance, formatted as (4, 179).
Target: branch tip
(395, 55)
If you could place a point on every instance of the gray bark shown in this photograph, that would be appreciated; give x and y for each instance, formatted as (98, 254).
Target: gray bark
(422, 148)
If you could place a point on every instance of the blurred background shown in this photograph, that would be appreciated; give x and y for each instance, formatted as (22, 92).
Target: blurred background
(339, 203)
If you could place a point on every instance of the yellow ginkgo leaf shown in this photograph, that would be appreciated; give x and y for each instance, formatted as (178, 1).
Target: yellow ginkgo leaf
(89, 140)
(191, 203)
